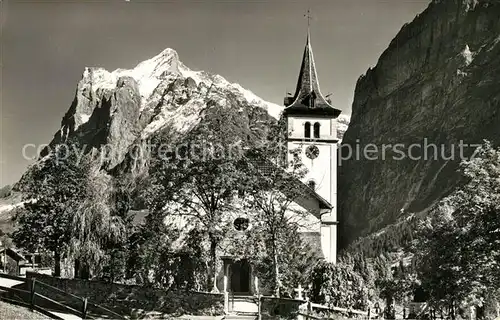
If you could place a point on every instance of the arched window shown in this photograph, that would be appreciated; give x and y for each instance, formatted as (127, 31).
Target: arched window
(307, 130)
(316, 129)
(311, 184)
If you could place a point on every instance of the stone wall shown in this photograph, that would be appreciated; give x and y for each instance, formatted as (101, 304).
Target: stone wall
(274, 308)
(132, 300)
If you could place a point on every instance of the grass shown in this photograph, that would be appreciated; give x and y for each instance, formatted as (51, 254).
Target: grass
(10, 312)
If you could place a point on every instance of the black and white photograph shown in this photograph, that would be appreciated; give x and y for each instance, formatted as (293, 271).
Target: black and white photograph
(250, 159)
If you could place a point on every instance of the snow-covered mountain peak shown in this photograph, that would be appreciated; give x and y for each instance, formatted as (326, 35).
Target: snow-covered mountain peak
(158, 92)
(166, 62)
(166, 66)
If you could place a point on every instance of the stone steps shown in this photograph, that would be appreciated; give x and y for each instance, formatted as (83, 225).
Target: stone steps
(243, 306)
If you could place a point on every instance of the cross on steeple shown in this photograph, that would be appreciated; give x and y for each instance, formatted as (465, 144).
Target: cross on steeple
(308, 16)
(307, 98)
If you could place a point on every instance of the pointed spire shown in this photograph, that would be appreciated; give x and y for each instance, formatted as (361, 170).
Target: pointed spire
(307, 95)
(308, 84)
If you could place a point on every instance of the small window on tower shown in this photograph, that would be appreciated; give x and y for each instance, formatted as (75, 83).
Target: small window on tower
(316, 129)
(313, 99)
(307, 130)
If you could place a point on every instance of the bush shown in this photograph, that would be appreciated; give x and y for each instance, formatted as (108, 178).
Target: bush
(338, 285)
(279, 308)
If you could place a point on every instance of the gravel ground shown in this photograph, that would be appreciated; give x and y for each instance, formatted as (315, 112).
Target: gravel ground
(12, 312)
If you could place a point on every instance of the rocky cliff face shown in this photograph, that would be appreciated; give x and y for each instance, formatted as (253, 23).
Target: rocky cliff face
(438, 81)
(124, 108)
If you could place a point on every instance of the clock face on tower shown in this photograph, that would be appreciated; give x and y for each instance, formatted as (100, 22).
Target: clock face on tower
(312, 152)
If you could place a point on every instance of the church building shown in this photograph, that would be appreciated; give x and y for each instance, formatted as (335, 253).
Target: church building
(311, 127)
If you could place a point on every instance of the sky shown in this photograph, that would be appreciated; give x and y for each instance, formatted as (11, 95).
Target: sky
(45, 46)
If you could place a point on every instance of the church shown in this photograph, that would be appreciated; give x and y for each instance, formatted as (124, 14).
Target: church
(311, 126)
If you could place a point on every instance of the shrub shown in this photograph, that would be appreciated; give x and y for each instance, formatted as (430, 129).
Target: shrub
(338, 285)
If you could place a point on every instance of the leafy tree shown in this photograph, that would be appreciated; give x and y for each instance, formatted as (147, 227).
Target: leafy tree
(96, 224)
(339, 285)
(159, 258)
(151, 241)
(457, 247)
(71, 209)
(271, 189)
(194, 247)
(51, 189)
(126, 195)
(297, 259)
(198, 179)
(397, 288)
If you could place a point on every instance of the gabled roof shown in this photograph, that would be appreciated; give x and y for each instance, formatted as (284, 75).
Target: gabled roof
(323, 203)
(13, 254)
(308, 99)
(266, 167)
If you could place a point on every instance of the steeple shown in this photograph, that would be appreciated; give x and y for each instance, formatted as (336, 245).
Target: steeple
(308, 98)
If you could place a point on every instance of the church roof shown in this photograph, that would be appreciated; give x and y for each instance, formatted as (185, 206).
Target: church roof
(266, 167)
(308, 99)
(13, 254)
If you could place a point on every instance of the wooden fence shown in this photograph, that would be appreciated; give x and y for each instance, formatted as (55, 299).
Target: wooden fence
(308, 310)
(35, 295)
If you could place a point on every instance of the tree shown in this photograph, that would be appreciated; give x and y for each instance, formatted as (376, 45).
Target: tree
(457, 247)
(398, 287)
(271, 188)
(51, 189)
(297, 259)
(70, 209)
(439, 257)
(198, 179)
(339, 285)
(152, 244)
(157, 257)
(96, 225)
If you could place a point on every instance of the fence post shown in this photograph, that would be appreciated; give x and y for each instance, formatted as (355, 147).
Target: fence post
(84, 309)
(32, 293)
(309, 310)
(226, 302)
(259, 304)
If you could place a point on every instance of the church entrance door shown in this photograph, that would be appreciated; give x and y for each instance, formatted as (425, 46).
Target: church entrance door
(240, 277)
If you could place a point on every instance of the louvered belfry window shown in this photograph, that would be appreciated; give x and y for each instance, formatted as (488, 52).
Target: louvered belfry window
(307, 130)
(316, 129)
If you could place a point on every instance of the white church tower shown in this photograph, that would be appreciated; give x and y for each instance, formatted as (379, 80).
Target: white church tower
(312, 126)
